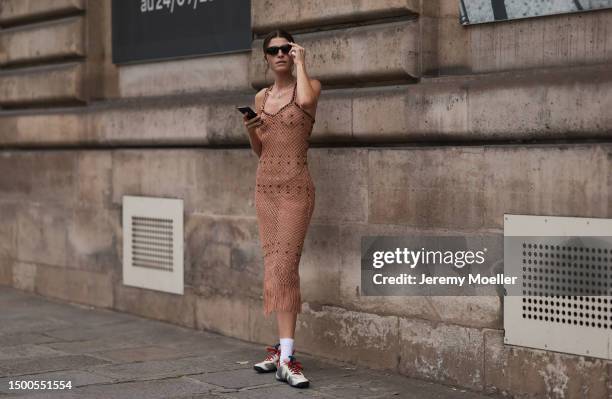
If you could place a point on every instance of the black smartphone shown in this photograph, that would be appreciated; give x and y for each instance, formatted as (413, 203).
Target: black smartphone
(248, 111)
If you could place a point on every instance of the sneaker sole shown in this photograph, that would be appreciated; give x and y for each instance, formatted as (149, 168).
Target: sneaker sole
(303, 384)
(262, 370)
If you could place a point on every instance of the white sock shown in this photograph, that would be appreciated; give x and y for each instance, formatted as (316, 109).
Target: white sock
(286, 346)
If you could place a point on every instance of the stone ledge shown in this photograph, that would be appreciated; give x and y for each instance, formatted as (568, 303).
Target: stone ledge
(45, 41)
(42, 84)
(314, 13)
(13, 11)
(527, 372)
(525, 105)
(561, 40)
(364, 54)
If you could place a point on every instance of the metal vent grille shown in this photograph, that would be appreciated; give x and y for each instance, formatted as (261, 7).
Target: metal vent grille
(563, 300)
(153, 243)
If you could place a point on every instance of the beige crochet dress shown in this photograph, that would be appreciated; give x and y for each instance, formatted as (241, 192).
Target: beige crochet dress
(284, 201)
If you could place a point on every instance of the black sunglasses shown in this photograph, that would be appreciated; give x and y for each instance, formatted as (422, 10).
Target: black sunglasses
(273, 50)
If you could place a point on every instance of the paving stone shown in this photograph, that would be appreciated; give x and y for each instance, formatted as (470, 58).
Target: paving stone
(27, 350)
(83, 316)
(321, 372)
(23, 338)
(280, 391)
(130, 357)
(36, 365)
(241, 378)
(95, 347)
(168, 388)
(166, 368)
(140, 354)
(26, 324)
(84, 332)
(237, 351)
(364, 384)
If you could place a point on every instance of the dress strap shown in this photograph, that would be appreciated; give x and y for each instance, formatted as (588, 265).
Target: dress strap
(265, 98)
(294, 90)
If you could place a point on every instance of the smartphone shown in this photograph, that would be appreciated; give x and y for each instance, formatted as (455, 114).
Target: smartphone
(248, 111)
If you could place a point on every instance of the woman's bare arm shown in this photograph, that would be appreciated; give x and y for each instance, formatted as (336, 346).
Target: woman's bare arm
(308, 90)
(253, 138)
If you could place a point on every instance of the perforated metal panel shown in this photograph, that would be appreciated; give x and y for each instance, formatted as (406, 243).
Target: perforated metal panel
(153, 243)
(562, 301)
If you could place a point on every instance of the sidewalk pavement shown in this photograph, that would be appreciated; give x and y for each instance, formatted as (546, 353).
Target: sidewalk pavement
(106, 354)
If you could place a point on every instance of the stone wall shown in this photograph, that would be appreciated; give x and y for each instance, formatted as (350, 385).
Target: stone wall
(424, 127)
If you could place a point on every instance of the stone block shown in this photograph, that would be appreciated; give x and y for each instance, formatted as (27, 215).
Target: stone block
(440, 352)
(526, 372)
(377, 52)
(320, 265)
(8, 227)
(223, 256)
(74, 285)
(6, 271)
(557, 40)
(229, 316)
(155, 173)
(43, 41)
(24, 276)
(427, 188)
(94, 178)
(340, 177)
(47, 176)
(44, 129)
(308, 13)
(355, 337)
(225, 181)
(58, 83)
(469, 188)
(42, 234)
(560, 180)
(157, 305)
(13, 11)
(422, 112)
(92, 240)
(211, 74)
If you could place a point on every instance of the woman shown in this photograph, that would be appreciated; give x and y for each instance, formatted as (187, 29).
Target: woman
(285, 193)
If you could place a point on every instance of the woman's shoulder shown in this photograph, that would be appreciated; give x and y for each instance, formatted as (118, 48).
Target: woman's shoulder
(316, 86)
(260, 94)
(259, 98)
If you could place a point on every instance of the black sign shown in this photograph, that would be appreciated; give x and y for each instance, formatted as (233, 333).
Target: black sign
(160, 29)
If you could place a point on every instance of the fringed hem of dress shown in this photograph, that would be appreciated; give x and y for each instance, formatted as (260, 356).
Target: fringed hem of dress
(282, 298)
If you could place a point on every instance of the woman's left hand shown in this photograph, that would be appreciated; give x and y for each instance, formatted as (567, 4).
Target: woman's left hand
(297, 52)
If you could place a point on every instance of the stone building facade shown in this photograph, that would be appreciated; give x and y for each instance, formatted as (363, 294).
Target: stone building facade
(424, 126)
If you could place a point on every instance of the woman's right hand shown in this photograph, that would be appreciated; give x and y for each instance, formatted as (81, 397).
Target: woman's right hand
(253, 123)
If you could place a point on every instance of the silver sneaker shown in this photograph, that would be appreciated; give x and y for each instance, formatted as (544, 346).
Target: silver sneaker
(290, 371)
(269, 363)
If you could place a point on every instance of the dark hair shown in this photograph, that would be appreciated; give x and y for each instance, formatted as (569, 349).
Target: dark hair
(276, 33)
(272, 35)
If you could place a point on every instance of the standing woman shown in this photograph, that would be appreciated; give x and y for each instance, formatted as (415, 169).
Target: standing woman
(284, 192)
